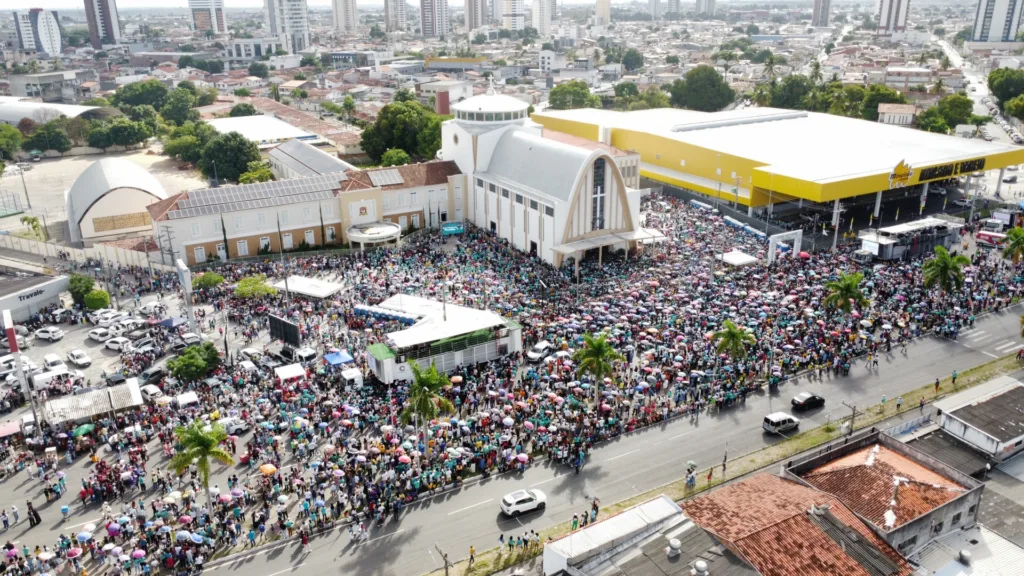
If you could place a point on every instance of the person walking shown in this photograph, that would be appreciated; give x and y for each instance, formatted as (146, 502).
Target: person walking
(899, 404)
(472, 556)
(936, 386)
(954, 377)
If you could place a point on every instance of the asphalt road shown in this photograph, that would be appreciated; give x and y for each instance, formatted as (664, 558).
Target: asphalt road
(622, 468)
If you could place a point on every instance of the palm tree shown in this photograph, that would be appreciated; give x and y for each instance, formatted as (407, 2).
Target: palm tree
(945, 270)
(198, 446)
(733, 340)
(844, 292)
(944, 63)
(816, 72)
(727, 58)
(425, 402)
(595, 358)
(922, 58)
(1014, 244)
(769, 66)
(939, 87)
(761, 96)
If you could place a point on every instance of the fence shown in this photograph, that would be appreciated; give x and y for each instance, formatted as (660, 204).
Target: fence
(111, 255)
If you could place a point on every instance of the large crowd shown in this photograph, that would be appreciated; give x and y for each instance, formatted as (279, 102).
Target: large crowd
(322, 451)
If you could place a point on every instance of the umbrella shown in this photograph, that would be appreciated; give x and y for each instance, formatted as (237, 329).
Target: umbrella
(83, 430)
(268, 469)
(74, 553)
(117, 551)
(84, 536)
(282, 499)
(90, 527)
(237, 492)
(46, 556)
(124, 558)
(523, 458)
(185, 519)
(183, 535)
(196, 538)
(109, 547)
(124, 520)
(404, 459)
(224, 498)
(139, 554)
(164, 529)
(13, 552)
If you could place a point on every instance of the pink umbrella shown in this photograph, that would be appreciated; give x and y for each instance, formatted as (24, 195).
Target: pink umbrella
(185, 519)
(346, 423)
(139, 554)
(404, 459)
(74, 553)
(336, 414)
(523, 458)
(224, 498)
(529, 425)
(338, 473)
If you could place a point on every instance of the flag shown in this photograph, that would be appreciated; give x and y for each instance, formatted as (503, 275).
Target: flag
(851, 224)
(897, 214)
(944, 204)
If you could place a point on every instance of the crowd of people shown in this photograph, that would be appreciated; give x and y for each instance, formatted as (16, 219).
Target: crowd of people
(321, 451)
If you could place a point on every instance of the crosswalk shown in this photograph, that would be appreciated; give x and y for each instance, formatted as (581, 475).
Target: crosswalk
(982, 339)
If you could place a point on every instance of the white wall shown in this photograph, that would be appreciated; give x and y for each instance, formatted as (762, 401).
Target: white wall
(114, 203)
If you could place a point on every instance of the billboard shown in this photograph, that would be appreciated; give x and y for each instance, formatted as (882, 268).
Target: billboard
(283, 330)
(449, 228)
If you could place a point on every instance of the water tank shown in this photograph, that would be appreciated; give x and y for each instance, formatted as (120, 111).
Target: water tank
(965, 557)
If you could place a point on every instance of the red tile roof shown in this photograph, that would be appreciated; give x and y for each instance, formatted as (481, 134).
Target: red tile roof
(870, 479)
(413, 175)
(765, 520)
(157, 210)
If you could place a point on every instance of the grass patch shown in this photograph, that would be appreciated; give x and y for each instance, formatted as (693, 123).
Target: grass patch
(496, 559)
(28, 235)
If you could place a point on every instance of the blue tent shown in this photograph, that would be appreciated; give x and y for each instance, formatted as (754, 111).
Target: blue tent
(173, 322)
(338, 358)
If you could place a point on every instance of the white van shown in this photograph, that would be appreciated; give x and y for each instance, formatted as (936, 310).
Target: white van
(53, 362)
(779, 422)
(353, 379)
(42, 381)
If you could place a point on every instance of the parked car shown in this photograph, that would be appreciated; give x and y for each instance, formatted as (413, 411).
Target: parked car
(152, 308)
(53, 362)
(79, 358)
(113, 318)
(119, 343)
(151, 392)
(1010, 179)
(806, 401)
(522, 501)
(234, 426)
(115, 379)
(780, 422)
(539, 351)
(191, 339)
(21, 340)
(100, 334)
(152, 375)
(94, 316)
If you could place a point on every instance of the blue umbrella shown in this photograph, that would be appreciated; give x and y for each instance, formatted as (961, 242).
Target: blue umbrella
(183, 535)
(197, 538)
(164, 529)
(84, 536)
(124, 520)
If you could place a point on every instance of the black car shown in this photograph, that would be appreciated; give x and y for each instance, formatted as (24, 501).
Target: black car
(806, 401)
(116, 378)
(178, 347)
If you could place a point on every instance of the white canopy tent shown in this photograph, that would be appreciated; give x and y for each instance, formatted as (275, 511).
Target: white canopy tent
(290, 371)
(737, 259)
(310, 287)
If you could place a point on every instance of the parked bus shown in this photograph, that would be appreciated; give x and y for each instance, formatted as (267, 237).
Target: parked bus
(990, 239)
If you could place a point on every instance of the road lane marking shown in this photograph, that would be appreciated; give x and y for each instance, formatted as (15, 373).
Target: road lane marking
(468, 507)
(989, 354)
(674, 437)
(292, 569)
(374, 539)
(84, 523)
(548, 480)
(621, 455)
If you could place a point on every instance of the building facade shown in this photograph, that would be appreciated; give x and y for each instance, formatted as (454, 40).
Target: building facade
(476, 14)
(820, 15)
(346, 17)
(654, 7)
(254, 48)
(897, 114)
(705, 7)
(892, 17)
(208, 15)
(603, 12)
(672, 7)
(514, 16)
(434, 18)
(57, 86)
(104, 23)
(542, 18)
(38, 30)
(997, 20)
(290, 19)
(395, 16)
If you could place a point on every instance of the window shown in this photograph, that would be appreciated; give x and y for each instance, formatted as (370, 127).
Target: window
(199, 253)
(479, 183)
(195, 230)
(243, 248)
(909, 543)
(549, 211)
(412, 199)
(956, 519)
(401, 199)
(238, 223)
(328, 210)
(972, 509)
(386, 200)
(415, 220)
(491, 188)
(937, 529)
(282, 217)
(261, 220)
(218, 225)
(310, 238)
(597, 198)
(286, 240)
(331, 236)
(504, 193)
(307, 214)
(264, 243)
(519, 198)
(533, 204)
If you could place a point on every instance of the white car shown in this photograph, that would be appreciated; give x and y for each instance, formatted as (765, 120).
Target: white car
(100, 334)
(21, 340)
(191, 339)
(118, 329)
(538, 352)
(94, 316)
(51, 333)
(131, 324)
(559, 356)
(250, 354)
(111, 319)
(152, 308)
(151, 392)
(119, 343)
(522, 501)
(53, 362)
(234, 426)
(79, 358)
(962, 203)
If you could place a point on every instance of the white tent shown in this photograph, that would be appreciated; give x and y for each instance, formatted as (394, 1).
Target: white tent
(310, 287)
(187, 398)
(290, 371)
(737, 259)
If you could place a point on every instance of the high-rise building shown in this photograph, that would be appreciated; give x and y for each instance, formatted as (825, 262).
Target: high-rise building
(554, 12)
(288, 17)
(654, 7)
(542, 18)
(104, 25)
(476, 14)
(514, 16)
(38, 30)
(820, 15)
(208, 15)
(346, 17)
(997, 21)
(706, 7)
(395, 15)
(673, 7)
(434, 18)
(892, 17)
(603, 13)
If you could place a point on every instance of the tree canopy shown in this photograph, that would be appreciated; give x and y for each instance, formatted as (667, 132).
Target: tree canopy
(1006, 84)
(228, 156)
(243, 109)
(703, 88)
(254, 287)
(955, 109)
(572, 94)
(152, 92)
(407, 126)
(394, 157)
(259, 69)
(179, 107)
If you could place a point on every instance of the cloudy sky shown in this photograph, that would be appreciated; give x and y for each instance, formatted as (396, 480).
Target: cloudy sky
(78, 4)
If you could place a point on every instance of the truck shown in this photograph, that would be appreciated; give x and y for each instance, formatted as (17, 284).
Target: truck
(353, 379)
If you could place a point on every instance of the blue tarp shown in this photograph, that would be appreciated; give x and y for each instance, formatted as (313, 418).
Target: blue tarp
(338, 358)
(173, 322)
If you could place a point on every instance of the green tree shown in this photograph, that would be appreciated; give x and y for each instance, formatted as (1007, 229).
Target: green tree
(1015, 107)
(761, 97)
(208, 280)
(1014, 247)
(97, 101)
(397, 126)
(572, 94)
(242, 92)
(376, 33)
(227, 156)
(185, 148)
(1006, 84)
(348, 105)
(125, 132)
(424, 401)
(206, 97)
(79, 286)
(733, 340)
(259, 69)
(815, 74)
(275, 92)
(200, 444)
(479, 38)
(179, 107)
(299, 76)
(944, 270)
(632, 59)
(939, 87)
(147, 115)
(931, 120)
(10, 141)
(844, 293)
(49, 136)
(672, 59)
(626, 90)
(753, 29)
(97, 299)
(243, 109)
(596, 358)
(256, 172)
(186, 62)
(308, 61)
(394, 157)
(429, 137)
(403, 95)
(879, 94)
(152, 92)
(770, 66)
(792, 92)
(254, 287)
(703, 88)
(33, 225)
(978, 121)
(299, 94)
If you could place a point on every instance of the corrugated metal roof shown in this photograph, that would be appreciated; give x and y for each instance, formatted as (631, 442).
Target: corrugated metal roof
(976, 393)
(991, 554)
(585, 542)
(94, 403)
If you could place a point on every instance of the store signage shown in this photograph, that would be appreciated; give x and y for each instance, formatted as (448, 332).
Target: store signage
(901, 175)
(30, 295)
(950, 170)
(449, 228)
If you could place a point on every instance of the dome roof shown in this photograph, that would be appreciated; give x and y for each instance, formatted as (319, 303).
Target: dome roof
(106, 175)
(491, 102)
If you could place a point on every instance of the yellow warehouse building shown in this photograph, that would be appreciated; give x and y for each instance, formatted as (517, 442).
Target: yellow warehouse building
(758, 156)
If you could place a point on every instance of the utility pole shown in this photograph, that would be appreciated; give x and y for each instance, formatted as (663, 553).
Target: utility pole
(26, 386)
(853, 415)
(25, 186)
(280, 241)
(444, 558)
